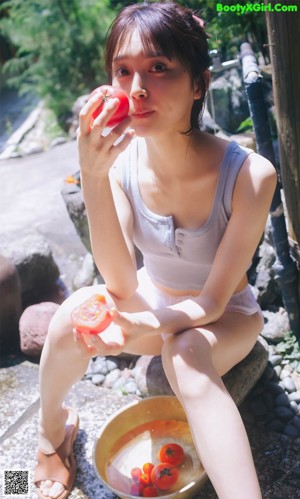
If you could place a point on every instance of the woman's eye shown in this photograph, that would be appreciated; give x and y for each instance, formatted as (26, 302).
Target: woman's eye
(159, 67)
(121, 72)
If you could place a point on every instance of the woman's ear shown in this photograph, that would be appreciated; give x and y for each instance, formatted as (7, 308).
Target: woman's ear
(199, 84)
(207, 76)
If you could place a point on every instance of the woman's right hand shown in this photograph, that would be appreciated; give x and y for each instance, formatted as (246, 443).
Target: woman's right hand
(109, 342)
(97, 153)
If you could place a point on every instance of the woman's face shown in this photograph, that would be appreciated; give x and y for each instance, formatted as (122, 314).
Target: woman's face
(160, 91)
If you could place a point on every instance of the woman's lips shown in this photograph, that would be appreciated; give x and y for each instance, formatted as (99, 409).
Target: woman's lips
(142, 114)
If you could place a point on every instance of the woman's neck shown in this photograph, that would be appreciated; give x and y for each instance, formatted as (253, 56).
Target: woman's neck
(169, 155)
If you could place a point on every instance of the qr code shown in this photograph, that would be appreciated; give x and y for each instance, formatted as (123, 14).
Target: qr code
(16, 482)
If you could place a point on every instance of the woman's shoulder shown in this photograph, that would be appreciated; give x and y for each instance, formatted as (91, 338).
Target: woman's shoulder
(259, 167)
(257, 177)
(254, 165)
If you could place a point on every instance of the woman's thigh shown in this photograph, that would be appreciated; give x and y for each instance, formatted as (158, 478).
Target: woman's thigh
(231, 338)
(215, 347)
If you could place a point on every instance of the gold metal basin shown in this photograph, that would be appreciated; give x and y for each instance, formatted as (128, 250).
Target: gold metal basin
(133, 436)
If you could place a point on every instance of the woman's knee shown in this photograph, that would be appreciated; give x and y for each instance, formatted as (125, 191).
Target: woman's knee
(60, 327)
(185, 346)
(187, 357)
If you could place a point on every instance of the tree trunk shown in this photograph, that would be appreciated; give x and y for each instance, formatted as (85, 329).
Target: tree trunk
(284, 40)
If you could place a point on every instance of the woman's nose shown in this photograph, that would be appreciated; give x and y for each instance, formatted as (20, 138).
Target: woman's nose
(138, 90)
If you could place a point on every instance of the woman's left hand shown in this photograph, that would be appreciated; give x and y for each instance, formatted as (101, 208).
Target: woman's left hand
(136, 324)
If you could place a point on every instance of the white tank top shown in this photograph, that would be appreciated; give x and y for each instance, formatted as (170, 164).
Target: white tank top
(176, 257)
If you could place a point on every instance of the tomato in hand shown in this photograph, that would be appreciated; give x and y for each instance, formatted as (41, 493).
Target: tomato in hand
(92, 316)
(150, 491)
(110, 92)
(164, 476)
(171, 453)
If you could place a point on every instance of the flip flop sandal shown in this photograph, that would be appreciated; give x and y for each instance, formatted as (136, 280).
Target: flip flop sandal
(59, 465)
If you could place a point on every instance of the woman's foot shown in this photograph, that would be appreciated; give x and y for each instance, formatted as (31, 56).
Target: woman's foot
(55, 472)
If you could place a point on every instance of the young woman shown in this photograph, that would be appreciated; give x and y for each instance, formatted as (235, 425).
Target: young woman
(196, 206)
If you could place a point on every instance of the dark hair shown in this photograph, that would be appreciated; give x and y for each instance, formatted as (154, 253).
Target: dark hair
(174, 30)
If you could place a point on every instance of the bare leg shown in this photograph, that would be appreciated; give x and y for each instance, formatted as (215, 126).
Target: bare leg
(56, 379)
(194, 362)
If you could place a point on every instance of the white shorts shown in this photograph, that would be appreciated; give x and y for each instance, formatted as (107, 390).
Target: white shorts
(243, 302)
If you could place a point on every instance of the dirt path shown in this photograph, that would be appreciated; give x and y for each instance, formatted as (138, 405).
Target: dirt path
(31, 203)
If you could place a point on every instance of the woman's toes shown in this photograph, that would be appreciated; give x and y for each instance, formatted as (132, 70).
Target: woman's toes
(45, 486)
(56, 490)
(51, 489)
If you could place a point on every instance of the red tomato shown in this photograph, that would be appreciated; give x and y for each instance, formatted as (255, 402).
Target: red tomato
(92, 316)
(147, 468)
(136, 489)
(145, 479)
(171, 453)
(136, 474)
(164, 476)
(110, 92)
(150, 491)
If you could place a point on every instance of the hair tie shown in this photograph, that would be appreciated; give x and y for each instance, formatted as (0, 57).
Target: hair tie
(199, 21)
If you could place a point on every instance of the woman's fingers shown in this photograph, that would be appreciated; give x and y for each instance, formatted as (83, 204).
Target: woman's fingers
(86, 113)
(86, 121)
(120, 319)
(91, 345)
(86, 349)
(109, 107)
(95, 127)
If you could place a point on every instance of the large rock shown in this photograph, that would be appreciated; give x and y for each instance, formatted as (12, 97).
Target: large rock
(37, 269)
(242, 377)
(85, 275)
(227, 100)
(72, 196)
(151, 379)
(269, 292)
(150, 376)
(34, 323)
(10, 307)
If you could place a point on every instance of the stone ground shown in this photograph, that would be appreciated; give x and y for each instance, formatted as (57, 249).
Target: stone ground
(276, 456)
(30, 202)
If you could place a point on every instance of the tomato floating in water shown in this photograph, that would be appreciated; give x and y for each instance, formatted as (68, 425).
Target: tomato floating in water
(150, 491)
(147, 468)
(92, 316)
(145, 479)
(136, 474)
(171, 453)
(110, 92)
(164, 476)
(136, 489)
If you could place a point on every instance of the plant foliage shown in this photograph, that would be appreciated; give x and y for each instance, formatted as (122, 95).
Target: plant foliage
(59, 47)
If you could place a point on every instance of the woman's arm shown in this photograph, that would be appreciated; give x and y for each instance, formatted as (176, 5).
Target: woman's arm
(108, 212)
